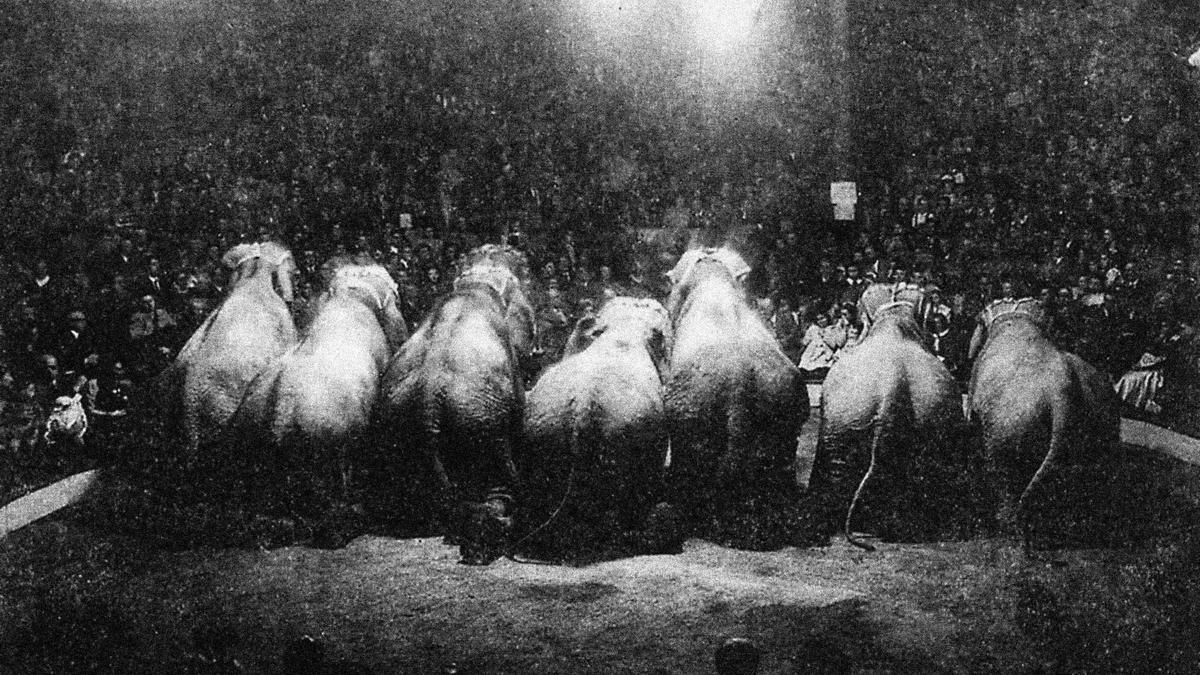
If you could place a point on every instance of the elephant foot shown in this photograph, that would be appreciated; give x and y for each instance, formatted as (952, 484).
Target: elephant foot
(665, 531)
(486, 531)
(269, 532)
(337, 528)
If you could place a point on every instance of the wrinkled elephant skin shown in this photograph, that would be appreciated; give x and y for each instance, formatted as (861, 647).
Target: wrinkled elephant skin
(734, 405)
(1041, 410)
(251, 328)
(595, 430)
(890, 404)
(306, 413)
(453, 397)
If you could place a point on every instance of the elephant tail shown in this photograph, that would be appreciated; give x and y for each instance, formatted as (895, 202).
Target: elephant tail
(433, 418)
(581, 419)
(876, 439)
(889, 414)
(1061, 412)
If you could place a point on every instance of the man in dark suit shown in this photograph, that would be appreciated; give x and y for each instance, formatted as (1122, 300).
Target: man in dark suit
(125, 260)
(949, 345)
(852, 286)
(785, 323)
(153, 281)
(826, 285)
(77, 349)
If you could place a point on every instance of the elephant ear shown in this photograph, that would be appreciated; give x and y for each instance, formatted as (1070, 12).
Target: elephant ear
(239, 254)
(686, 262)
(587, 329)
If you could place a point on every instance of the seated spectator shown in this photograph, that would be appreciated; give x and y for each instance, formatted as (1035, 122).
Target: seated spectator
(854, 336)
(26, 340)
(49, 380)
(640, 285)
(607, 287)
(934, 293)
(431, 289)
(1138, 387)
(152, 336)
(852, 286)
(21, 418)
(949, 346)
(786, 324)
(583, 307)
(41, 288)
(77, 347)
(819, 354)
(845, 316)
(77, 291)
(194, 314)
(112, 390)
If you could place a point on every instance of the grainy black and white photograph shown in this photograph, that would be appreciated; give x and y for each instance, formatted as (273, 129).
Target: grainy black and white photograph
(718, 337)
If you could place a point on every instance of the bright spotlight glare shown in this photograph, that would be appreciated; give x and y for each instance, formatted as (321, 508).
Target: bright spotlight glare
(721, 25)
(609, 15)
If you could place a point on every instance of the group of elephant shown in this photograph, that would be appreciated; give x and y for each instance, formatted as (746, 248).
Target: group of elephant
(659, 422)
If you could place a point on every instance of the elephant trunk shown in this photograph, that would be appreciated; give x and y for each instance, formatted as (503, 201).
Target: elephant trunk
(283, 277)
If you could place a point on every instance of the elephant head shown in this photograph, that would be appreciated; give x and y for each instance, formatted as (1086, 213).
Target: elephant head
(381, 292)
(252, 261)
(699, 264)
(1028, 312)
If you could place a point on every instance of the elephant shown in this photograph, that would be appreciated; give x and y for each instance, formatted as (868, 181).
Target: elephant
(734, 404)
(307, 411)
(249, 329)
(453, 393)
(891, 400)
(1042, 411)
(595, 429)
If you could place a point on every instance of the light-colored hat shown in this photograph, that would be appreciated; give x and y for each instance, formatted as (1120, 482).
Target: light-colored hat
(1149, 360)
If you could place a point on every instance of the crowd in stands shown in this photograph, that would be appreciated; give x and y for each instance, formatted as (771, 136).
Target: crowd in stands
(1026, 163)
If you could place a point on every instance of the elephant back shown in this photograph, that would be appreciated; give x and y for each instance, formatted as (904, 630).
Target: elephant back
(372, 281)
(497, 255)
(263, 260)
(505, 270)
(729, 258)
(641, 319)
(883, 298)
(1026, 309)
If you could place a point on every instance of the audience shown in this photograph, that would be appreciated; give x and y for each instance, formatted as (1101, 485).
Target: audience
(999, 167)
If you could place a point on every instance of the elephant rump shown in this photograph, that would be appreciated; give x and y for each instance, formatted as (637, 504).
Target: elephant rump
(733, 443)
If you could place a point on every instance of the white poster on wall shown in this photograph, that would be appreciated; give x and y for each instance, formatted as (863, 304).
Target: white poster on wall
(843, 192)
(843, 195)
